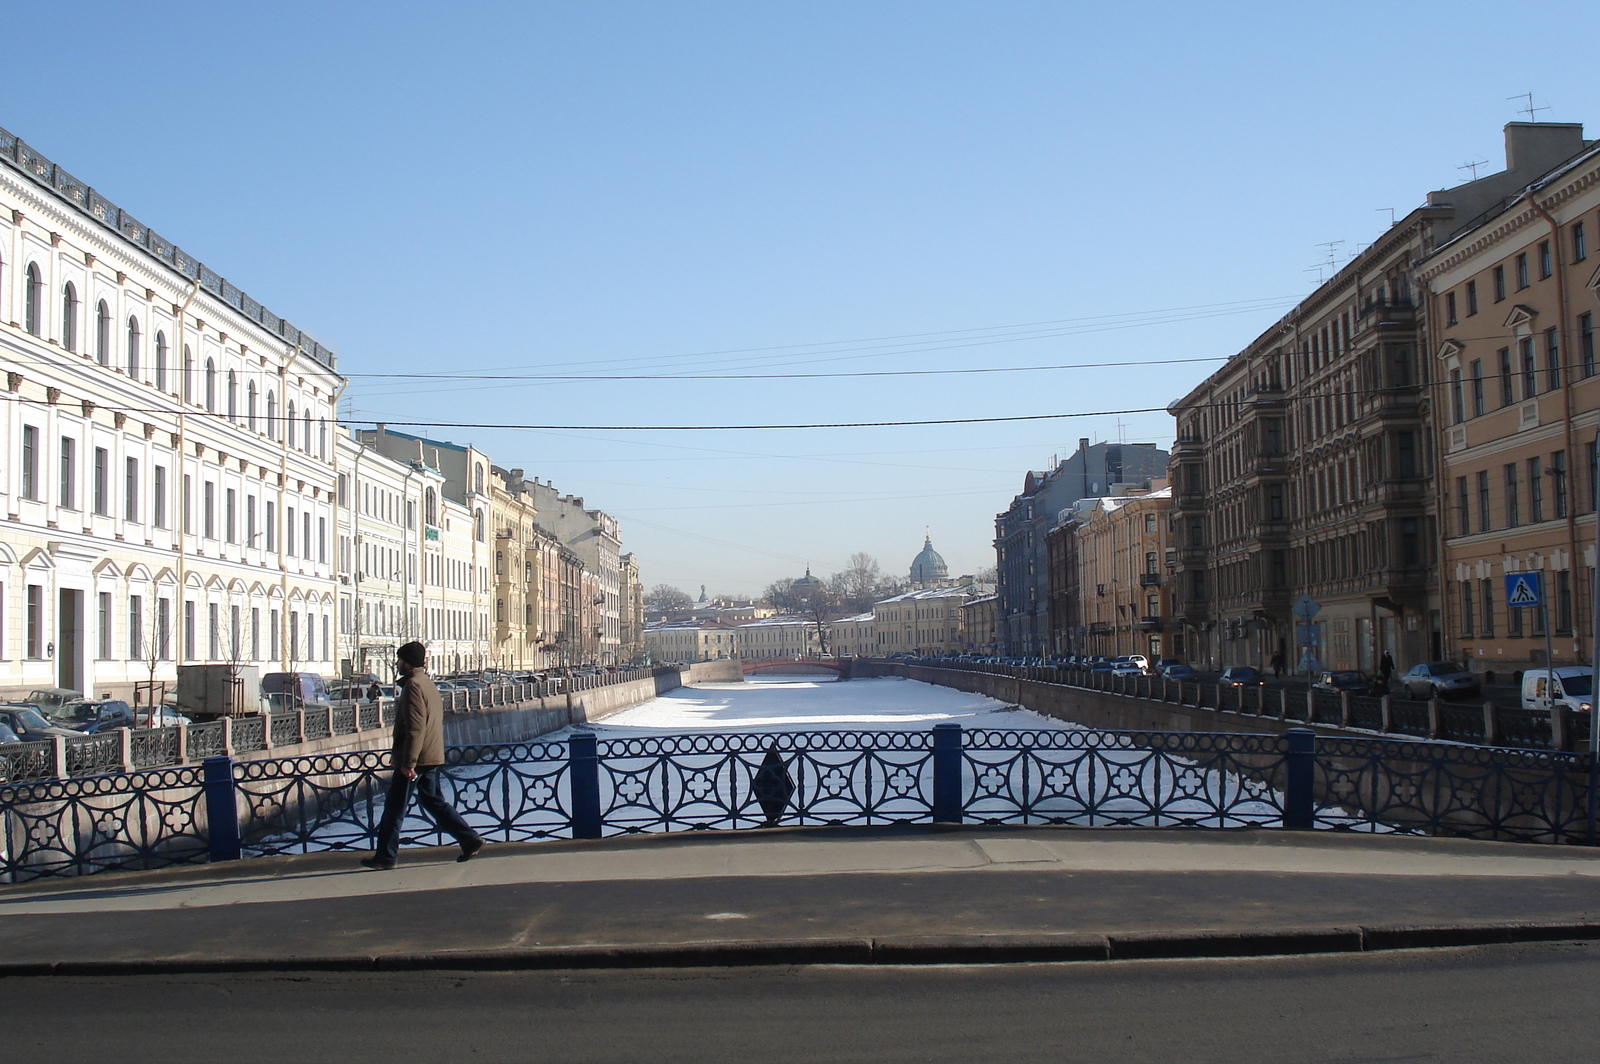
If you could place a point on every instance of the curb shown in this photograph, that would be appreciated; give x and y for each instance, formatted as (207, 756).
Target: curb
(945, 949)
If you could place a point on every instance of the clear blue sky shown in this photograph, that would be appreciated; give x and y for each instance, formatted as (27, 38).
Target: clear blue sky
(622, 188)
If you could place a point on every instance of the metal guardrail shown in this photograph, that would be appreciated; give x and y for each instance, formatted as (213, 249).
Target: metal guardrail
(1483, 724)
(150, 748)
(586, 788)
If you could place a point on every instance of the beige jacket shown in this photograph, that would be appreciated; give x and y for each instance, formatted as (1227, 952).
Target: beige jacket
(418, 723)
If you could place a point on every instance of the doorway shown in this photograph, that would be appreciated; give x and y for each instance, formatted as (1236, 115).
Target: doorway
(69, 641)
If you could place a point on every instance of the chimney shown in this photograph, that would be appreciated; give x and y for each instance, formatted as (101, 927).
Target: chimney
(1535, 147)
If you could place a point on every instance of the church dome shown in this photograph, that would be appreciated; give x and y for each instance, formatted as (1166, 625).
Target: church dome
(927, 567)
(808, 582)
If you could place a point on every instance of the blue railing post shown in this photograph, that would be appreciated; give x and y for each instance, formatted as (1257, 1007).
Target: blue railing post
(947, 773)
(222, 808)
(584, 768)
(1300, 769)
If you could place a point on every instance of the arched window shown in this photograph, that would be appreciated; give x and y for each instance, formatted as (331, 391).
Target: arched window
(133, 348)
(477, 526)
(102, 334)
(69, 317)
(211, 385)
(161, 361)
(322, 438)
(499, 563)
(430, 508)
(272, 415)
(250, 405)
(188, 375)
(291, 424)
(233, 396)
(477, 481)
(306, 440)
(33, 305)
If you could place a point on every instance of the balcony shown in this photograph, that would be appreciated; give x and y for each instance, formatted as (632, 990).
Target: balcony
(1149, 579)
(1100, 628)
(1150, 624)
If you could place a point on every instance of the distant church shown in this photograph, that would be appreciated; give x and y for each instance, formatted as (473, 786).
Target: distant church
(928, 568)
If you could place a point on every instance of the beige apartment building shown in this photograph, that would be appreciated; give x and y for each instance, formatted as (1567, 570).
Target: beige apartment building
(926, 622)
(1305, 466)
(1513, 308)
(1121, 553)
(691, 641)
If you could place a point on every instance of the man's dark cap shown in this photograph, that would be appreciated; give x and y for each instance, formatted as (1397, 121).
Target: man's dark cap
(413, 654)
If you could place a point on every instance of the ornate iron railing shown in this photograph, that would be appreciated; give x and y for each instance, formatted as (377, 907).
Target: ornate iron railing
(587, 788)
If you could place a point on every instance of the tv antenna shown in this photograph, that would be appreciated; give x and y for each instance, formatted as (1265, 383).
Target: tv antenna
(1473, 167)
(1380, 210)
(1530, 110)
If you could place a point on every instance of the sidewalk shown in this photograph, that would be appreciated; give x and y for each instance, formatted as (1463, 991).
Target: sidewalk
(902, 895)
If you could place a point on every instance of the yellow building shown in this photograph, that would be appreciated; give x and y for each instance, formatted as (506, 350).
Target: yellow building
(1121, 552)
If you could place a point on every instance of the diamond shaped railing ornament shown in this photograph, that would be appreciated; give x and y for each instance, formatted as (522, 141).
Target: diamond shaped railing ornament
(772, 787)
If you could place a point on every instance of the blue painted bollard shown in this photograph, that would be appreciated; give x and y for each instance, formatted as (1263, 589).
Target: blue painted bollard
(222, 808)
(584, 772)
(947, 773)
(1300, 770)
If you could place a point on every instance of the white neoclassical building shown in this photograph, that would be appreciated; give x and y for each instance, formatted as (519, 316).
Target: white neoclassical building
(167, 490)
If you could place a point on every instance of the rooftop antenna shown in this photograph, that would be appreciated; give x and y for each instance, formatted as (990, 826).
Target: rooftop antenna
(1530, 110)
(1473, 167)
(1391, 214)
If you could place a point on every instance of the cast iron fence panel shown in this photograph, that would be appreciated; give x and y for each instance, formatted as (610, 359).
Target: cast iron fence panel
(155, 747)
(78, 826)
(1444, 789)
(27, 761)
(344, 720)
(299, 804)
(317, 720)
(1096, 777)
(285, 728)
(1461, 724)
(94, 755)
(371, 717)
(249, 734)
(1366, 712)
(1326, 708)
(1526, 728)
(205, 740)
(1409, 718)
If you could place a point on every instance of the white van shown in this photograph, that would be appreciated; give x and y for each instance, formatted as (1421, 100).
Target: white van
(1571, 686)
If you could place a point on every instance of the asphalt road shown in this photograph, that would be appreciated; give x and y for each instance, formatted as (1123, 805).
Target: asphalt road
(1503, 1003)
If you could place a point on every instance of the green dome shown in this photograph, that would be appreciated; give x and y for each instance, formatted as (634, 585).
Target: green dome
(927, 567)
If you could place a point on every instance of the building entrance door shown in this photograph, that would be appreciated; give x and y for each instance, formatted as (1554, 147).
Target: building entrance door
(69, 641)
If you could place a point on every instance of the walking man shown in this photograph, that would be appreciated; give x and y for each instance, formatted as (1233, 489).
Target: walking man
(416, 756)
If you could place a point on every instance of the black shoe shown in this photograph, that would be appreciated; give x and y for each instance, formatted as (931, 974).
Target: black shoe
(377, 864)
(469, 850)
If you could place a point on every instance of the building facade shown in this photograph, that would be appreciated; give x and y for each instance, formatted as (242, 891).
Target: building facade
(1021, 552)
(169, 476)
(1513, 304)
(1121, 544)
(926, 622)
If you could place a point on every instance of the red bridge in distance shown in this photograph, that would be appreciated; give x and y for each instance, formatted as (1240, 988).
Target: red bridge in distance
(800, 666)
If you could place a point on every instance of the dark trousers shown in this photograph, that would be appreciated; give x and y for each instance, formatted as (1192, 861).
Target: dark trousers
(432, 802)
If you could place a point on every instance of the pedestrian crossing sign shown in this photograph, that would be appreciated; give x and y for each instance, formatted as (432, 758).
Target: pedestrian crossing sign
(1523, 589)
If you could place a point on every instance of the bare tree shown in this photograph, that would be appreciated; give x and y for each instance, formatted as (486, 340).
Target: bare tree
(819, 605)
(668, 599)
(781, 594)
(990, 575)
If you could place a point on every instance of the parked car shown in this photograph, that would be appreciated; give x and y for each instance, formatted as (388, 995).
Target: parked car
(1127, 666)
(45, 699)
(1343, 680)
(289, 690)
(30, 725)
(1101, 665)
(1181, 672)
(90, 716)
(1440, 679)
(1571, 686)
(1240, 676)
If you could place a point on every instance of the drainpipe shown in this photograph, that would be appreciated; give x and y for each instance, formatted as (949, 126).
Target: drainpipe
(1562, 348)
(183, 533)
(1440, 504)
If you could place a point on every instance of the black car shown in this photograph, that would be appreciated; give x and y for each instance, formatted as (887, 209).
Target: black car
(1240, 676)
(92, 715)
(30, 725)
(1343, 680)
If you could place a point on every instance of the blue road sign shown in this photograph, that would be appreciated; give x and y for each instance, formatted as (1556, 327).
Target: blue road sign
(1524, 589)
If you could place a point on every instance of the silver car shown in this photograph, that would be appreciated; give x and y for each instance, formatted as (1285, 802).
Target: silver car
(1440, 679)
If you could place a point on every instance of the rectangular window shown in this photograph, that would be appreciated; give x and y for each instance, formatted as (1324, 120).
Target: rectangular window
(1406, 453)
(1463, 508)
(1514, 621)
(1530, 372)
(1486, 607)
(1507, 393)
(35, 620)
(30, 463)
(1558, 482)
(69, 473)
(1410, 542)
(1586, 342)
(1513, 496)
(208, 509)
(272, 534)
(1536, 614)
(102, 482)
(135, 627)
(158, 497)
(130, 489)
(1522, 271)
(1458, 402)
(1450, 308)
(1477, 387)
(235, 634)
(255, 634)
(1564, 601)
(322, 540)
(188, 630)
(188, 506)
(1544, 259)
(273, 630)
(1552, 360)
(1467, 613)
(288, 533)
(1472, 298)
(164, 629)
(1535, 491)
(1499, 284)
(249, 520)
(104, 620)
(230, 506)
(213, 632)
(1483, 502)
